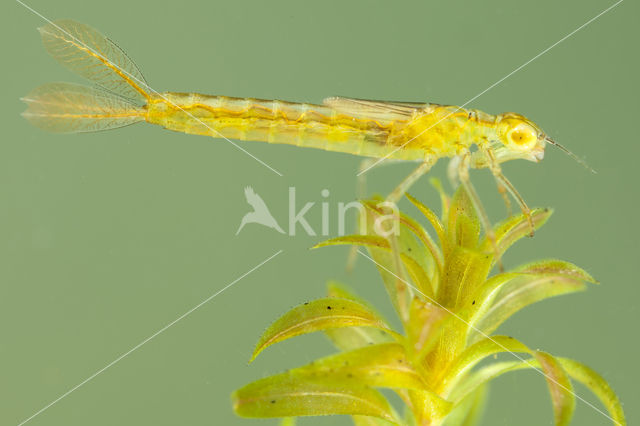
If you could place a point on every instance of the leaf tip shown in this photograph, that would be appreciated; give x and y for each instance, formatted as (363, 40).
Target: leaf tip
(255, 353)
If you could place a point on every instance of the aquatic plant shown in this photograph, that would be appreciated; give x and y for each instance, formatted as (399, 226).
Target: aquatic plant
(449, 304)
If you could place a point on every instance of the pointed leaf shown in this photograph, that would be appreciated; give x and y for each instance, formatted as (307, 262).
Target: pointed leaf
(380, 251)
(349, 338)
(408, 245)
(417, 273)
(521, 292)
(474, 354)
(469, 411)
(484, 297)
(361, 240)
(319, 315)
(485, 374)
(516, 227)
(430, 216)
(598, 386)
(342, 291)
(504, 294)
(560, 388)
(382, 255)
(419, 277)
(286, 395)
(444, 197)
(556, 267)
(478, 401)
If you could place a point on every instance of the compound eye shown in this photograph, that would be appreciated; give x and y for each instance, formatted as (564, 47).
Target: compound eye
(523, 136)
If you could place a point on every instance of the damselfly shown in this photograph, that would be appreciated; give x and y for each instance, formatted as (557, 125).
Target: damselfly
(421, 132)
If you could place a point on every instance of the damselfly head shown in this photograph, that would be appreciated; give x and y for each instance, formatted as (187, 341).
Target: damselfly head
(521, 136)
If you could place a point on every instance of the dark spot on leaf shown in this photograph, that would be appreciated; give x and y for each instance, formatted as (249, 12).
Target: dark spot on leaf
(473, 303)
(349, 375)
(306, 303)
(329, 307)
(273, 401)
(409, 249)
(400, 361)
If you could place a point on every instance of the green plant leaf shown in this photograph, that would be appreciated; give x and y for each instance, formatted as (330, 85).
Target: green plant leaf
(445, 200)
(416, 247)
(286, 395)
(412, 254)
(427, 250)
(516, 227)
(484, 375)
(430, 216)
(504, 294)
(416, 271)
(419, 277)
(520, 292)
(463, 225)
(441, 369)
(560, 388)
(374, 241)
(469, 411)
(465, 270)
(561, 268)
(478, 400)
(319, 315)
(474, 354)
(598, 386)
(427, 407)
(369, 421)
(384, 365)
(424, 326)
(349, 338)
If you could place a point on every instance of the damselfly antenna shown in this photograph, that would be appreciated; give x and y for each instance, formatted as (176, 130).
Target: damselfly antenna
(570, 154)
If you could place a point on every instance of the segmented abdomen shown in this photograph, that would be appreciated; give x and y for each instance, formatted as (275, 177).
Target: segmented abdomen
(273, 121)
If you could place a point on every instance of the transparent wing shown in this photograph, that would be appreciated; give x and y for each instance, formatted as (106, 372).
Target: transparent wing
(376, 110)
(69, 108)
(93, 56)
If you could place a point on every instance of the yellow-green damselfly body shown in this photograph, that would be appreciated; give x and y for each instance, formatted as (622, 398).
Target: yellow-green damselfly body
(422, 132)
(407, 131)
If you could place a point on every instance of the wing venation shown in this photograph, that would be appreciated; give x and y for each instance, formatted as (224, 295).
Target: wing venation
(93, 56)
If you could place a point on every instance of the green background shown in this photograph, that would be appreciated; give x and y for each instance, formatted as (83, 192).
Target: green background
(106, 238)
